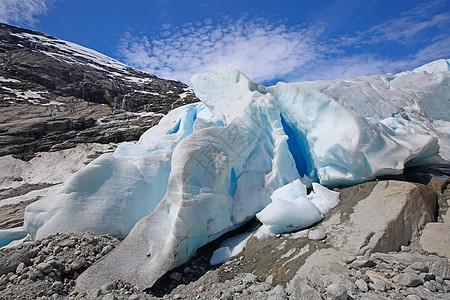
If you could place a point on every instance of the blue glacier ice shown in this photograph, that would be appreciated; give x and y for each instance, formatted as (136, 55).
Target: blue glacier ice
(12, 234)
(229, 248)
(115, 191)
(292, 208)
(245, 150)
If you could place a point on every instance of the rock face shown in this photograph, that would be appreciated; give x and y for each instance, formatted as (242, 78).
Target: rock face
(436, 232)
(52, 90)
(435, 237)
(388, 218)
(72, 101)
(371, 217)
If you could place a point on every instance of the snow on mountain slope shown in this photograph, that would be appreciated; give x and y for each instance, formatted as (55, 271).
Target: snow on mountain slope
(45, 64)
(53, 91)
(69, 51)
(209, 167)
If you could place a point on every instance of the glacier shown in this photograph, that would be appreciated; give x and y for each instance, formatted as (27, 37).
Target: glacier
(245, 150)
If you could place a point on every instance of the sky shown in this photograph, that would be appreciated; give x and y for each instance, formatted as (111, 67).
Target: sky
(269, 41)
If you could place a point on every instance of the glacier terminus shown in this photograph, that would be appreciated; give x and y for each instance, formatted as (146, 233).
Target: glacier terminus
(246, 150)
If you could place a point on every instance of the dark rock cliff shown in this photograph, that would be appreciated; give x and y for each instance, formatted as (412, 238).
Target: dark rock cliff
(52, 92)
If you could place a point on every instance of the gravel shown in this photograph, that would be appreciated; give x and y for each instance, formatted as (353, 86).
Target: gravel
(47, 269)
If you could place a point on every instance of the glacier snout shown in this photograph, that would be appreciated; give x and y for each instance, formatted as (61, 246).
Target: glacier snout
(207, 168)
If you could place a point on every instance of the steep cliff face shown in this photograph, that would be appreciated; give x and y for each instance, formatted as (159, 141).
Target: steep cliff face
(53, 92)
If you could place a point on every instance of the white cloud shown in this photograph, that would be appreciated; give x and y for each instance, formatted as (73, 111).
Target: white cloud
(266, 51)
(22, 11)
(438, 48)
(347, 67)
(407, 28)
(260, 49)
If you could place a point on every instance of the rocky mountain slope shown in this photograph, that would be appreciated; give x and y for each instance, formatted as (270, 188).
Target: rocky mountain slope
(55, 94)
(61, 106)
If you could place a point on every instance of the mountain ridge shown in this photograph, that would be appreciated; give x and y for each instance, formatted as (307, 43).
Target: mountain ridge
(51, 91)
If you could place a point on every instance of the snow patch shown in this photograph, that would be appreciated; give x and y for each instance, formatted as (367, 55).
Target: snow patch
(73, 49)
(148, 93)
(183, 95)
(8, 80)
(54, 103)
(31, 96)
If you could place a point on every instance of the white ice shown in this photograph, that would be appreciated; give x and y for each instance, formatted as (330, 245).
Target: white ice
(292, 208)
(209, 167)
(230, 248)
(9, 236)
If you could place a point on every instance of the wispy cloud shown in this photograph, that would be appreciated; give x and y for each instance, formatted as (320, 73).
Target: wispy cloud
(410, 26)
(422, 31)
(347, 67)
(266, 51)
(260, 49)
(439, 47)
(22, 12)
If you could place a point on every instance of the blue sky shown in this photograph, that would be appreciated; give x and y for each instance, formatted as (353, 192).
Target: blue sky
(269, 41)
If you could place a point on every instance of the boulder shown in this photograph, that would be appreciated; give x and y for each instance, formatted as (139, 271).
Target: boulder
(439, 183)
(389, 217)
(377, 216)
(436, 239)
(10, 259)
(408, 279)
(337, 291)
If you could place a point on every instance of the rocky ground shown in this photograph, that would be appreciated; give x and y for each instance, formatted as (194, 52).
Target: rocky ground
(301, 265)
(50, 266)
(399, 275)
(48, 269)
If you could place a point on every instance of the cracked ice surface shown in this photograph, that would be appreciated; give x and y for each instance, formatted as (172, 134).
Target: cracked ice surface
(208, 167)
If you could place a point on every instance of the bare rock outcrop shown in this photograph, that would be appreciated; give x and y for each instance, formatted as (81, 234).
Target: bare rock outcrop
(377, 216)
(435, 237)
(53, 94)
